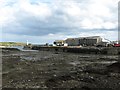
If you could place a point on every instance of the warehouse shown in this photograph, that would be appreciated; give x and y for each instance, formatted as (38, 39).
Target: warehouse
(90, 41)
(84, 41)
(72, 41)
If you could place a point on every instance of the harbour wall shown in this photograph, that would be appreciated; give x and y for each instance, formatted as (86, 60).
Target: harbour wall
(84, 50)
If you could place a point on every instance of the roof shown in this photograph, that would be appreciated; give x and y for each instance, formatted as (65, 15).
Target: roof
(91, 37)
(59, 40)
(71, 38)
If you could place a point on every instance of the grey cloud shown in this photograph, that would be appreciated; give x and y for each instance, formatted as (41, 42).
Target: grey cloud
(59, 23)
(30, 25)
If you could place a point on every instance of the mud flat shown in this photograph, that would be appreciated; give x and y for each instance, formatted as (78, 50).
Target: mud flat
(48, 70)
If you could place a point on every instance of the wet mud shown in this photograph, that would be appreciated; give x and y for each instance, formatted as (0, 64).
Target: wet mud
(50, 70)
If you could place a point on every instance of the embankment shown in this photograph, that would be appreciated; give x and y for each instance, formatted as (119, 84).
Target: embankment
(84, 50)
(11, 49)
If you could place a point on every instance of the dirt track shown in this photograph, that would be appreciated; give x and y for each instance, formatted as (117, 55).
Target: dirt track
(44, 69)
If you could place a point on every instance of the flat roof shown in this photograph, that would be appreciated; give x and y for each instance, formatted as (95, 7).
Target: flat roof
(59, 40)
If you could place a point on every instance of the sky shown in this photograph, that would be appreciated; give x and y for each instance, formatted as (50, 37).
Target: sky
(43, 21)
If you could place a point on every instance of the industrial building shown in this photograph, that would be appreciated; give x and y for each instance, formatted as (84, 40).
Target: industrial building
(72, 41)
(84, 41)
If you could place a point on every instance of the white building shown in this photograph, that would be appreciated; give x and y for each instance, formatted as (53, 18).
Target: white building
(59, 42)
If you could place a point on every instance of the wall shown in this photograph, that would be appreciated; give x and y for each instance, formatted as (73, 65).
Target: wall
(85, 50)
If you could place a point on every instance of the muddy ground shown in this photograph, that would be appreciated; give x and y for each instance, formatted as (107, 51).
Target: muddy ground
(48, 70)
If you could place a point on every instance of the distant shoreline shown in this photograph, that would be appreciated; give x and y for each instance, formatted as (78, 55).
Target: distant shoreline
(9, 44)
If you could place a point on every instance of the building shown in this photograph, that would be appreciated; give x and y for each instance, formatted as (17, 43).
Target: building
(59, 42)
(84, 41)
(90, 41)
(72, 41)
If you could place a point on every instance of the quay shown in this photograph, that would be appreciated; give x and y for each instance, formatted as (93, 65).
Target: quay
(77, 49)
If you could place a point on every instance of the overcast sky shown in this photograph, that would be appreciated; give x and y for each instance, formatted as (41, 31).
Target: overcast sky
(42, 21)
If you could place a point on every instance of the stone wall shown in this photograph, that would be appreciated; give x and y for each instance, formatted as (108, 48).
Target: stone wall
(84, 50)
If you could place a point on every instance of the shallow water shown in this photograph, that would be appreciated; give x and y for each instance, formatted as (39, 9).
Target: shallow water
(89, 62)
(21, 48)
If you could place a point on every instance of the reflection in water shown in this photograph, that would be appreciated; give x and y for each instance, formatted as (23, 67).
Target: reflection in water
(18, 47)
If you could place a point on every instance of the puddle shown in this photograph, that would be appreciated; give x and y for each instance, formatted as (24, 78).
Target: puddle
(28, 58)
(29, 50)
(106, 62)
(74, 63)
(33, 58)
(86, 62)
